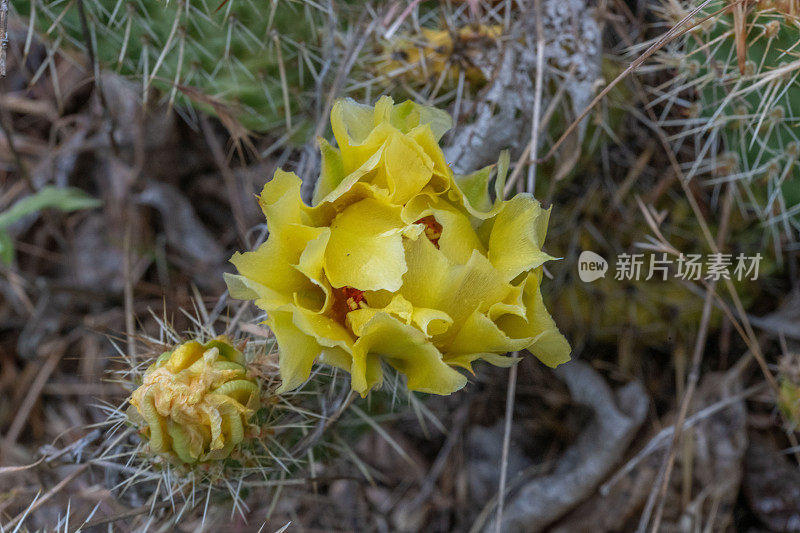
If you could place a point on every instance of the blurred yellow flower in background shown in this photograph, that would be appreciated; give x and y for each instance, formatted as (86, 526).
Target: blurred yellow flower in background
(439, 55)
(398, 261)
(789, 391)
(196, 401)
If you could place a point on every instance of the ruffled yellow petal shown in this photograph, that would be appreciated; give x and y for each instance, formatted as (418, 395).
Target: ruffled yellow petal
(549, 345)
(472, 190)
(346, 192)
(358, 138)
(432, 281)
(517, 236)
(312, 265)
(480, 338)
(362, 130)
(331, 173)
(297, 350)
(514, 304)
(326, 331)
(285, 269)
(465, 360)
(351, 122)
(281, 202)
(336, 357)
(475, 188)
(407, 350)
(365, 250)
(302, 337)
(458, 239)
(183, 356)
(442, 177)
(410, 115)
(408, 168)
(429, 321)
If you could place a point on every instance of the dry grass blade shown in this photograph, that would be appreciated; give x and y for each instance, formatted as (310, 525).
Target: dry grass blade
(126, 515)
(501, 491)
(537, 102)
(14, 469)
(384, 434)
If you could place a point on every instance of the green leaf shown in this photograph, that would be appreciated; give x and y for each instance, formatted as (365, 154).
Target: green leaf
(62, 198)
(6, 248)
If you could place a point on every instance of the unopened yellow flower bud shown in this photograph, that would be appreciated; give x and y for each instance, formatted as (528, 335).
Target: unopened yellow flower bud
(196, 401)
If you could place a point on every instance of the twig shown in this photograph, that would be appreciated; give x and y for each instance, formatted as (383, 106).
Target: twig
(287, 108)
(396, 24)
(324, 425)
(14, 469)
(660, 439)
(127, 267)
(339, 80)
(537, 99)
(501, 491)
(543, 123)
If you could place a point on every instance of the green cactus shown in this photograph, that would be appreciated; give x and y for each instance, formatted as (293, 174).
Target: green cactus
(261, 57)
(749, 99)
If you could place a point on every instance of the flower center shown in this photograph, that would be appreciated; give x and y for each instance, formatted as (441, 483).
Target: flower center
(433, 230)
(346, 299)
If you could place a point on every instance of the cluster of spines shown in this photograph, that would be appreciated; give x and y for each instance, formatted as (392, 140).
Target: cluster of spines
(259, 58)
(738, 91)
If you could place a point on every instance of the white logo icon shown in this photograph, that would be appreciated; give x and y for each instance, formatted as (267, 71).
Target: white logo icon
(591, 266)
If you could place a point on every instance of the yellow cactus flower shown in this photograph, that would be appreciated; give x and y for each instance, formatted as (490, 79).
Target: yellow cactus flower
(196, 401)
(434, 53)
(398, 261)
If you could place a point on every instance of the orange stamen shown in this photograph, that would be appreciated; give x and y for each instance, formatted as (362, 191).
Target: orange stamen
(433, 230)
(346, 299)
